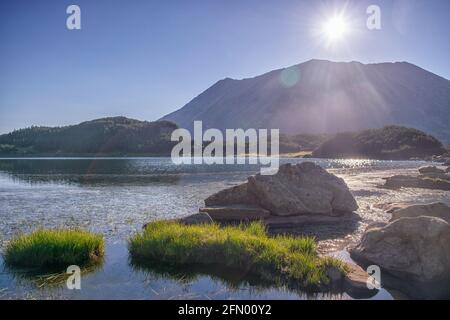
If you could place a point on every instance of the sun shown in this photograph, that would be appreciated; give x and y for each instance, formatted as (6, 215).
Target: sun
(335, 28)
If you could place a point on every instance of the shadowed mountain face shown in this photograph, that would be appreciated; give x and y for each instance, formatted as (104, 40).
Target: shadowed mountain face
(326, 97)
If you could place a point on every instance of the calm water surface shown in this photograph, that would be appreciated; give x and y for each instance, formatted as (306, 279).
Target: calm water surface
(116, 197)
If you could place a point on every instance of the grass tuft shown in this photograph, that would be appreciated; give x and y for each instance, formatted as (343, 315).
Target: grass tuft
(51, 249)
(245, 247)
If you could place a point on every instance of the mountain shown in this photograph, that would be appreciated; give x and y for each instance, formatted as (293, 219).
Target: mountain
(107, 136)
(320, 96)
(388, 143)
(301, 142)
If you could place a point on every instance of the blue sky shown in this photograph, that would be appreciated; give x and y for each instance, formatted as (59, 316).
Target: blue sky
(144, 59)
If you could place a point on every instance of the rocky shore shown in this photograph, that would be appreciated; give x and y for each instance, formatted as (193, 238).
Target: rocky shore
(298, 194)
(429, 177)
(412, 249)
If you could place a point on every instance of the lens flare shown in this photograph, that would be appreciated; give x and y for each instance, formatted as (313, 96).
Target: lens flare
(335, 28)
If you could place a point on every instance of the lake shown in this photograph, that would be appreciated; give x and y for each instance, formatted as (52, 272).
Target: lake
(116, 196)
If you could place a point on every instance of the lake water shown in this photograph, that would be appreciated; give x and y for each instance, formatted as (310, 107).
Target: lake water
(116, 196)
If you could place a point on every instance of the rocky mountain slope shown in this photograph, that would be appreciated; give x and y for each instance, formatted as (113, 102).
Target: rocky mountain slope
(326, 97)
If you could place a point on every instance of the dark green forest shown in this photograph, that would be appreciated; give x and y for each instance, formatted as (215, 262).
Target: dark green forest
(388, 143)
(107, 136)
(120, 136)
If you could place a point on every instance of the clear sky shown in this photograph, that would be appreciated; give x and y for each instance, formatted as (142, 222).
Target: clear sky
(144, 59)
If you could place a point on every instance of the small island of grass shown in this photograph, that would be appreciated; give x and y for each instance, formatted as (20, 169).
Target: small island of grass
(279, 259)
(51, 249)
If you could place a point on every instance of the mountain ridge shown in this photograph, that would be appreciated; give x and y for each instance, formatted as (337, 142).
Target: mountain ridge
(321, 96)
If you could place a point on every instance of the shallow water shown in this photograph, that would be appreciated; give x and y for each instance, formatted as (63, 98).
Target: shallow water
(117, 196)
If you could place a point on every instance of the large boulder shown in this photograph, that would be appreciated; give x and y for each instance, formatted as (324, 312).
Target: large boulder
(305, 188)
(413, 254)
(301, 189)
(231, 196)
(437, 209)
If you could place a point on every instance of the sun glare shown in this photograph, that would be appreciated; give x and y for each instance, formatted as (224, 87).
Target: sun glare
(335, 28)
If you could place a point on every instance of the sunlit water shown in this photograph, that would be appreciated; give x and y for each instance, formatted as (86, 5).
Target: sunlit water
(116, 197)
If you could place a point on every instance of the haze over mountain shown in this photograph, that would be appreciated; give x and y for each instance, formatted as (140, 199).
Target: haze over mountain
(326, 97)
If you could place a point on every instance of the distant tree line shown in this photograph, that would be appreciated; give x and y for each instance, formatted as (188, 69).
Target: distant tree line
(117, 135)
(388, 143)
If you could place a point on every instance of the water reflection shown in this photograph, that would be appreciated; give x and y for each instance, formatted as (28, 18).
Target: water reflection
(94, 171)
(46, 278)
(139, 171)
(234, 280)
(118, 279)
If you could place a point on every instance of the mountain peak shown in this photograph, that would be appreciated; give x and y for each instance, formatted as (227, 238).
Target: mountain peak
(321, 96)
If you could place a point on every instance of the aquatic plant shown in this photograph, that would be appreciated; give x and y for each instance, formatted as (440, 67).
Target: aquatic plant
(247, 247)
(51, 249)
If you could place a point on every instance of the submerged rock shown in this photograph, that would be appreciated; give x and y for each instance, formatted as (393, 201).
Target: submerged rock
(302, 189)
(390, 207)
(437, 209)
(355, 282)
(413, 254)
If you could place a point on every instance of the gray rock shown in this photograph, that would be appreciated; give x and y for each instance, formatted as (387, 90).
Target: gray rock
(412, 252)
(436, 176)
(334, 274)
(286, 222)
(375, 225)
(297, 195)
(430, 169)
(231, 196)
(305, 188)
(355, 282)
(302, 189)
(437, 209)
(399, 181)
(390, 207)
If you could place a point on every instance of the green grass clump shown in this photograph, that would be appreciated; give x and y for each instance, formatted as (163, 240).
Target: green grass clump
(51, 249)
(245, 247)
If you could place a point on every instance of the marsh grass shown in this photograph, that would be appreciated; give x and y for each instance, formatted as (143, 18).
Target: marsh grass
(247, 247)
(54, 249)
